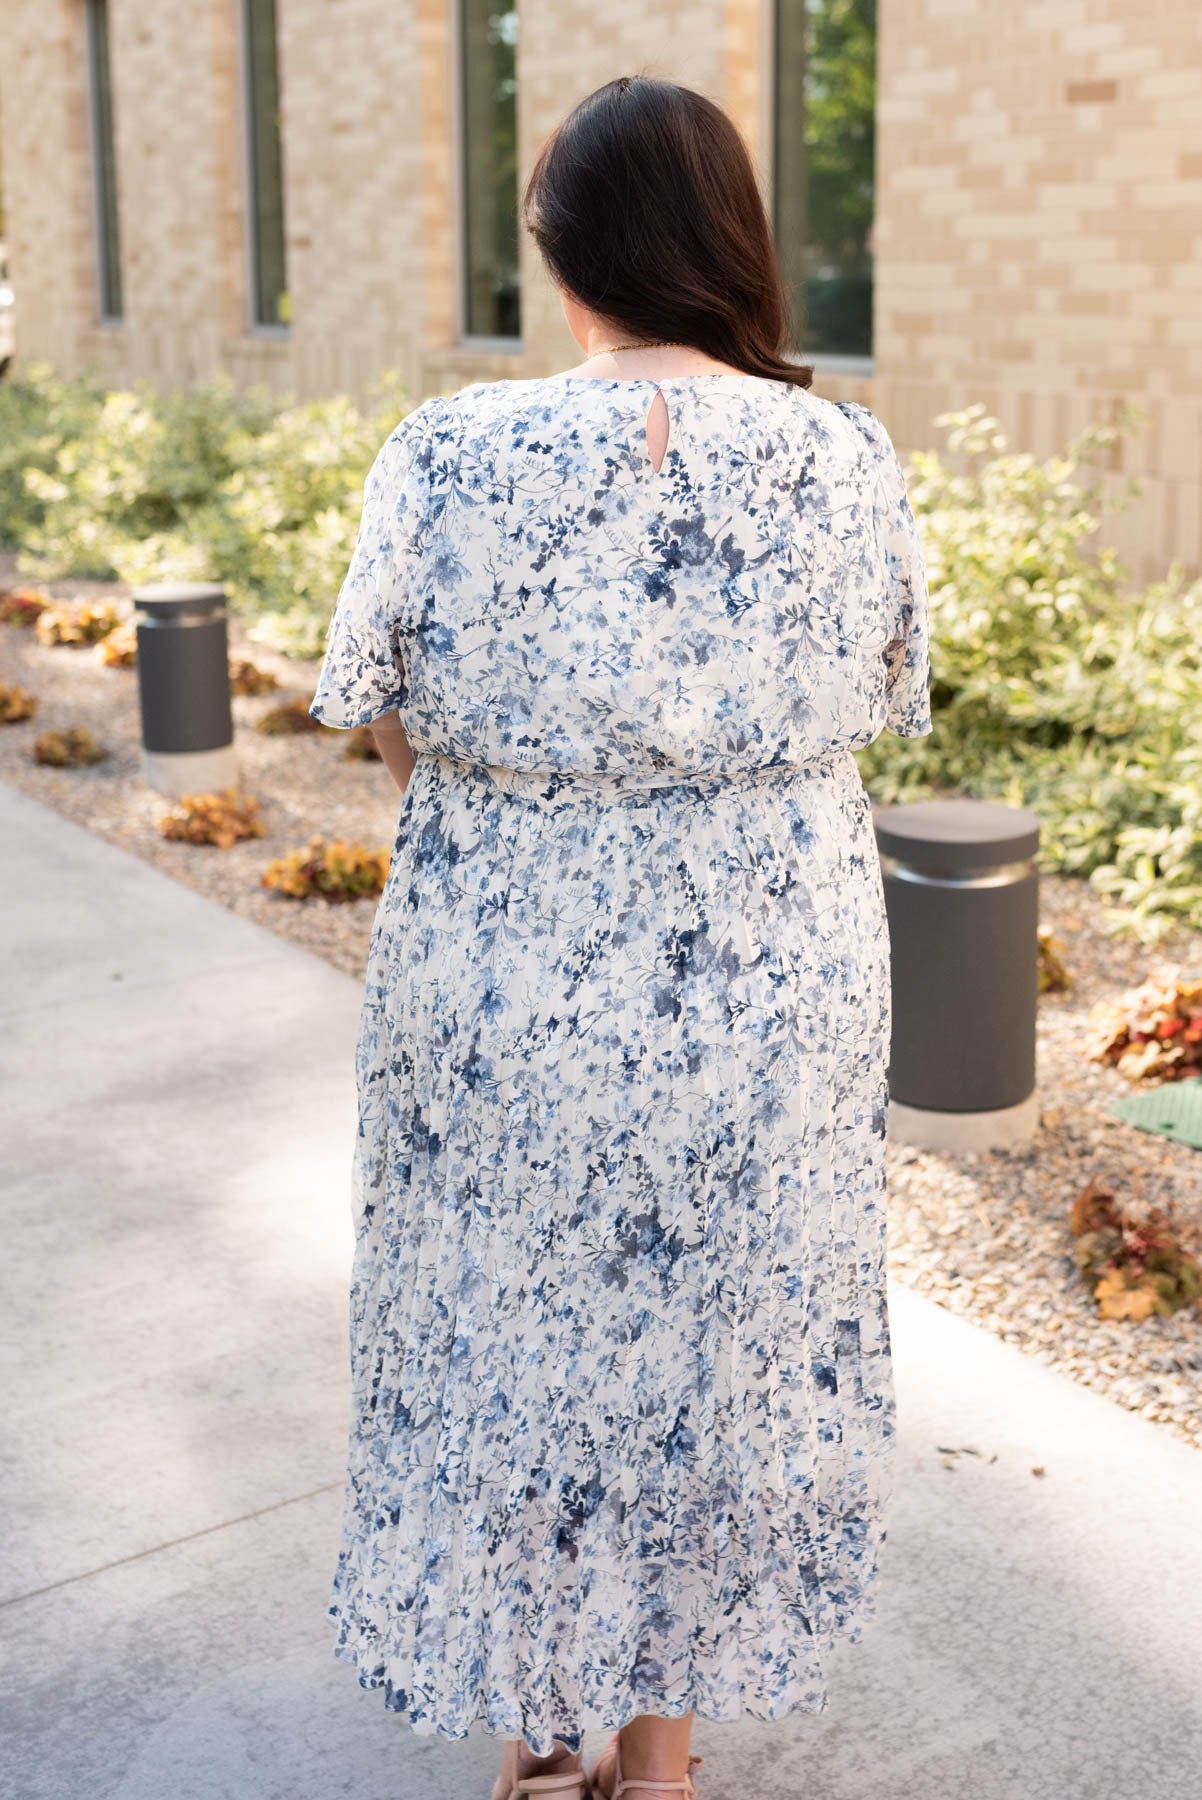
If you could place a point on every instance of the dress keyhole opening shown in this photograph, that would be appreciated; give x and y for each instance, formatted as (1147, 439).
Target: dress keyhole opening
(658, 427)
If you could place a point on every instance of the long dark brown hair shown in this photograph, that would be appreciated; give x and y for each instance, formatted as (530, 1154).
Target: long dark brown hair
(645, 206)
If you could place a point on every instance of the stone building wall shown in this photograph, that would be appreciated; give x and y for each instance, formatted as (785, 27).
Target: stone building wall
(1038, 242)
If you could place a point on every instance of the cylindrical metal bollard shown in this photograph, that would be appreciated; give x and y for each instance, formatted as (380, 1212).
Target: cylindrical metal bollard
(962, 898)
(184, 687)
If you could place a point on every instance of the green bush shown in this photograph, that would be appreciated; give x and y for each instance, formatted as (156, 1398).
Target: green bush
(197, 483)
(128, 493)
(284, 526)
(1054, 686)
(40, 412)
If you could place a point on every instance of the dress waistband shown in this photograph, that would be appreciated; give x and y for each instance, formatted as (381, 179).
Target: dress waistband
(541, 785)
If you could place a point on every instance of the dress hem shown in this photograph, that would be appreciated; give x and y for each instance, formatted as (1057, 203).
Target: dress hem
(848, 1629)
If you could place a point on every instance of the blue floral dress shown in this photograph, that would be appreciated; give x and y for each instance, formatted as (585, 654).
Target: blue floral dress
(623, 1419)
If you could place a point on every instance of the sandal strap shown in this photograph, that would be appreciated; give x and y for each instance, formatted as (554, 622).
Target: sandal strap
(685, 1786)
(654, 1787)
(570, 1785)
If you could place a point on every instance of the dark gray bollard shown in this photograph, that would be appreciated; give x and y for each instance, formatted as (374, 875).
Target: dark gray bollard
(962, 897)
(184, 687)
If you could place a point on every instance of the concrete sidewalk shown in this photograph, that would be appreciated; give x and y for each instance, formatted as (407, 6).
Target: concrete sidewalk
(177, 1110)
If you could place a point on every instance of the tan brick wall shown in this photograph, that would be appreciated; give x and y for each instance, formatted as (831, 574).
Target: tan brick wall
(47, 163)
(353, 182)
(353, 149)
(370, 169)
(166, 135)
(1039, 234)
(1038, 242)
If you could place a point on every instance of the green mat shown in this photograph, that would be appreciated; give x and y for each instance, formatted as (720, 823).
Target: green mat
(1171, 1111)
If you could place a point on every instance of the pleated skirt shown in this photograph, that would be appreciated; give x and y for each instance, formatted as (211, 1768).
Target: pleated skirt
(622, 1409)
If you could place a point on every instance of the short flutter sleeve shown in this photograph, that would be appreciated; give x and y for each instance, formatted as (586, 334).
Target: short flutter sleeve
(899, 545)
(363, 674)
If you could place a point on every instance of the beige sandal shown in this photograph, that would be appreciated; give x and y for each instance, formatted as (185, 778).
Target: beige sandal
(687, 1786)
(564, 1784)
(571, 1785)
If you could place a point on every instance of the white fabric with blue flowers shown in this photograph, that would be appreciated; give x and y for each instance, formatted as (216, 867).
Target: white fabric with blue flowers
(623, 1416)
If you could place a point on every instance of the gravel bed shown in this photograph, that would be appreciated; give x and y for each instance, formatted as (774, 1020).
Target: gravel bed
(305, 786)
(985, 1235)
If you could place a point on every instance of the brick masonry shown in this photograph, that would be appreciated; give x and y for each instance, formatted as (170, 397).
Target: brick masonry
(1038, 239)
(1039, 236)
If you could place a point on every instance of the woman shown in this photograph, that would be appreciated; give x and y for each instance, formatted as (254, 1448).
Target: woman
(623, 1412)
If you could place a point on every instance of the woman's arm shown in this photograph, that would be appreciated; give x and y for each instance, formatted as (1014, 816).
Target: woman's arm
(394, 747)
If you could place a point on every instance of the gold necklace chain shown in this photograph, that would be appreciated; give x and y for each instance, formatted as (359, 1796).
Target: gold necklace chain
(655, 344)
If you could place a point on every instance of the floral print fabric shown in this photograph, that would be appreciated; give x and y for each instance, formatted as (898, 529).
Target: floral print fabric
(623, 1417)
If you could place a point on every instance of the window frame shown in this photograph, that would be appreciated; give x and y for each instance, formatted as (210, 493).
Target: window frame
(106, 242)
(482, 342)
(829, 362)
(254, 326)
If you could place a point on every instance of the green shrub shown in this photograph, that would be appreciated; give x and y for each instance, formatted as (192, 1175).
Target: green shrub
(198, 483)
(1055, 687)
(285, 528)
(40, 413)
(131, 494)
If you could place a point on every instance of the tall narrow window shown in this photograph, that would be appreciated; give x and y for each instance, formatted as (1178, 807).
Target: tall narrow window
(104, 162)
(265, 164)
(823, 151)
(488, 103)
